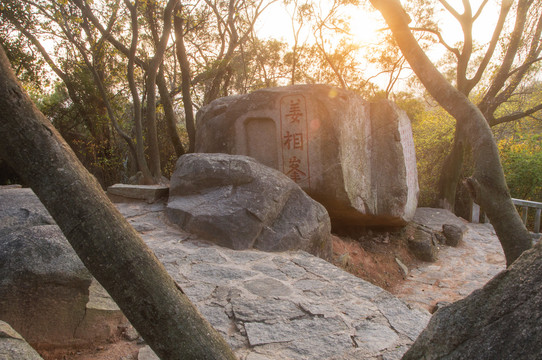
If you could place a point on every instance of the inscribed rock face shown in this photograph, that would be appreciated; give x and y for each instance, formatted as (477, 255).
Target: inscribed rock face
(356, 158)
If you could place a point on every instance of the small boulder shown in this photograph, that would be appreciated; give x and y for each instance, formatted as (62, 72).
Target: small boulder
(239, 203)
(453, 233)
(423, 245)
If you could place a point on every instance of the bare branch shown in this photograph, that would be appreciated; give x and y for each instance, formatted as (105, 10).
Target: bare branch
(515, 116)
(453, 50)
(479, 11)
(505, 8)
(450, 9)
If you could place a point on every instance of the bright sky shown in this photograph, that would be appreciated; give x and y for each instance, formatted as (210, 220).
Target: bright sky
(364, 24)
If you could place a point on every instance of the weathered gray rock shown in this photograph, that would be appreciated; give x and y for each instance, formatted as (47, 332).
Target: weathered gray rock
(22, 208)
(13, 346)
(354, 157)
(453, 233)
(500, 321)
(238, 203)
(423, 244)
(44, 286)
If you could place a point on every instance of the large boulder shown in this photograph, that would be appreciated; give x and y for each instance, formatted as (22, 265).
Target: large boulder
(503, 320)
(356, 158)
(239, 203)
(44, 286)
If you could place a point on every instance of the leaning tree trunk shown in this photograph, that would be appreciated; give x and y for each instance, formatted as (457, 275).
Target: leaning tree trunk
(108, 246)
(487, 185)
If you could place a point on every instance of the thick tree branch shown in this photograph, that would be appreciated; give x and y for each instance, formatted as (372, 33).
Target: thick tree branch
(450, 9)
(481, 8)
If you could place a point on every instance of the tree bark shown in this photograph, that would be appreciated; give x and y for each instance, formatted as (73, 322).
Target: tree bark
(487, 185)
(108, 246)
(140, 145)
(503, 84)
(450, 174)
(152, 73)
(171, 118)
(186, 78)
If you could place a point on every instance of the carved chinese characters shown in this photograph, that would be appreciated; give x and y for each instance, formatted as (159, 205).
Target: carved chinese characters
(354, 157)
(294, 138)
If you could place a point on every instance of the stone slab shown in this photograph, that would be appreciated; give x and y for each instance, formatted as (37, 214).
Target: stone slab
(149, 193)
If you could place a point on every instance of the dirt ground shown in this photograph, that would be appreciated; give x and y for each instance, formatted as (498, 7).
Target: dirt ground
(375, 256)
(120, 350)
(370, 255)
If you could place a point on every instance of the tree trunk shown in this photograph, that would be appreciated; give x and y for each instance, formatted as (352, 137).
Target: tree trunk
(487, 186)
(140, 145)
(450, 173)
(108, 246)
(171, 118)
(152, 132)
(186, 78)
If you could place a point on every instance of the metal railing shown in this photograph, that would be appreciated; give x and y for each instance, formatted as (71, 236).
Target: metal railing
(479, 216)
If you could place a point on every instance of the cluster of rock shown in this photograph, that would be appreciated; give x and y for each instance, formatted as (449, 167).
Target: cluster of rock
(354, 157)
(46, 293)
(428, 233)
(499, 321)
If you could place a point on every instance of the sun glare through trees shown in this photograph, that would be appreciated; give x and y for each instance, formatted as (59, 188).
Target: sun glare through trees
(94, 67)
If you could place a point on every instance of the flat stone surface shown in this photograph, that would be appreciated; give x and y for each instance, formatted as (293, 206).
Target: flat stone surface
(286, 305)
(292, 305)
(149, 193)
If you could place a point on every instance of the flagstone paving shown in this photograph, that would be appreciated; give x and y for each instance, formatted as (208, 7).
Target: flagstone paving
(292, 305)
(288, 305)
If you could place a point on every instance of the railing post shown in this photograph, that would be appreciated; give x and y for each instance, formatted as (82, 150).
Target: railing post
(475, 218)
(537, 221)
(524, 211)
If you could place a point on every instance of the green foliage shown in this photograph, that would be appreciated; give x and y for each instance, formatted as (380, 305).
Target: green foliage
(522, 163)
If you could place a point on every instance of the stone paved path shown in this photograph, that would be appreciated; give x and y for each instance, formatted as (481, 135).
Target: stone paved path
(296, 306)
(459, 270)
(280, 305)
